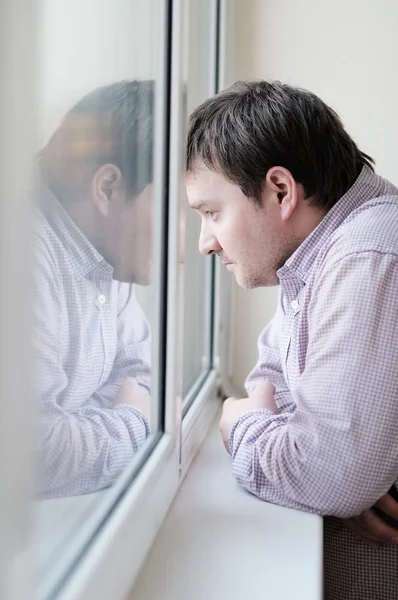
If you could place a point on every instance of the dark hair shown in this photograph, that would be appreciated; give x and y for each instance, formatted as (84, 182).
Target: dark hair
(112, 124)
(252, 126)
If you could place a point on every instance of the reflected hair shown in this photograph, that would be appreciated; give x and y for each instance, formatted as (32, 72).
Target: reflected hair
(254, 125)
(110, 125)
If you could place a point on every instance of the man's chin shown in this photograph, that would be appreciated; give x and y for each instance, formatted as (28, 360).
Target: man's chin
(143, 282)
(241, 280)
(143, 279)
(250, 282)
(246, 285)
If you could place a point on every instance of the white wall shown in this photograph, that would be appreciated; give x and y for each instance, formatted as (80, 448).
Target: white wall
(87, 44)
(346, 51)
(84, 45)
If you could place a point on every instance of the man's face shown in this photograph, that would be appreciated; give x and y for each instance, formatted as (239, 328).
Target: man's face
(128, 235)
(250, 240)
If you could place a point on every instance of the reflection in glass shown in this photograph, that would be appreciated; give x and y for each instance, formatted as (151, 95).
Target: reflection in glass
(93, 243)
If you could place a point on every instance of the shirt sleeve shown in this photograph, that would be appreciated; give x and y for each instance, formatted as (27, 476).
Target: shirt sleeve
(86, 449)
(268, 367)
(337, 453)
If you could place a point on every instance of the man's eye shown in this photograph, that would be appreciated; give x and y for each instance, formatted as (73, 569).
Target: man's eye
(211, 214)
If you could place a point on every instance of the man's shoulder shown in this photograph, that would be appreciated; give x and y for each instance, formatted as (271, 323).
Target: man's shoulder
(371, 228)
(49, 251)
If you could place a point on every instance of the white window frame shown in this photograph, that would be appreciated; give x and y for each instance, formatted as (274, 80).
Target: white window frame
(17, 143)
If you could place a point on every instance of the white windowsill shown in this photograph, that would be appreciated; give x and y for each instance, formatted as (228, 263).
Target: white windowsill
(220, 542)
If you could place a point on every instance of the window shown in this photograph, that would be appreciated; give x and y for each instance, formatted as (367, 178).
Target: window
(101, 241)
(122, 306)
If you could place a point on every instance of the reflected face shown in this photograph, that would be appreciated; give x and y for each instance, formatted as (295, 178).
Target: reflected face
(128, 233)
(249, 239)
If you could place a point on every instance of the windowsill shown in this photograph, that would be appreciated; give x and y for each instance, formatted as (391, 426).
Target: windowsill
(220, 542)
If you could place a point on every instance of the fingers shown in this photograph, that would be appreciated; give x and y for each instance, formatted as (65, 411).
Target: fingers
(226, 445)
(376, 527)
(132, 394)
(225, 437)
(264, 388)
(363, 534)
(228, 401)
(131, 384)
(389, 506)
(264, 396)
(371, 528)
(228, 417)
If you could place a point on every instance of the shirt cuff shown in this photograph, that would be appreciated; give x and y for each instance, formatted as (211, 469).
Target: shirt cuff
(260, 412)
(122, 408)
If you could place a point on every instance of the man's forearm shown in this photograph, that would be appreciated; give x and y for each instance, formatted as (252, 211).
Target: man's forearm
(88, 450)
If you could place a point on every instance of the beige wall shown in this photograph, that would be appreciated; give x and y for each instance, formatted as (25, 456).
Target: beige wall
(346, 51)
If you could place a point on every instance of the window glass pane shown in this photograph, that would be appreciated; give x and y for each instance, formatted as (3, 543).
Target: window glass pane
(99, 253)
(200, 58)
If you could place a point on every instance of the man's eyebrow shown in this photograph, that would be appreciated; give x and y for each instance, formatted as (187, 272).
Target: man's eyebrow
(199, 204)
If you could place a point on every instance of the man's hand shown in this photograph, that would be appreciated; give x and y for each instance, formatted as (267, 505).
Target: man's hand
(130, 393)
(371, 528)
(262, 397)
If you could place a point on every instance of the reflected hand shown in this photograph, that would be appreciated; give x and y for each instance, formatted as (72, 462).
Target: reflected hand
(371, 528)
(262, 397)
(132, 394)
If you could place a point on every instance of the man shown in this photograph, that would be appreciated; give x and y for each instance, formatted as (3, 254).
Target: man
(93, 242)
(286, 198)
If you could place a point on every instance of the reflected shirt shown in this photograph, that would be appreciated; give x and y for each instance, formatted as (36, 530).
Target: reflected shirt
(90, 335)
(331, 351)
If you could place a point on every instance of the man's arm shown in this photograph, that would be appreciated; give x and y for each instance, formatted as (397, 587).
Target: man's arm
(337, 454)
(87, 449)
(268, 367)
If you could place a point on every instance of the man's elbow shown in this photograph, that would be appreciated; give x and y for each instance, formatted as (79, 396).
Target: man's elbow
(320, 495)
(330, 497)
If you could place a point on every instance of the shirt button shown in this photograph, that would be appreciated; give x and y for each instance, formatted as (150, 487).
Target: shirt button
(294, 305)
(101, 299)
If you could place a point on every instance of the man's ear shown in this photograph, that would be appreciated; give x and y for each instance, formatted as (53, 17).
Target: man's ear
(284, 190)
(106, 184)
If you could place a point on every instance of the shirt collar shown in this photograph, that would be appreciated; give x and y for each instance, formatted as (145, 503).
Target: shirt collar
(367, 186)
(84, 257)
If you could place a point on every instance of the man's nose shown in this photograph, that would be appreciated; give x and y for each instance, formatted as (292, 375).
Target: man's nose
(208, 243)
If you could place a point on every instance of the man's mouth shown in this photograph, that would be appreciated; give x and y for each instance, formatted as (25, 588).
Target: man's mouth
(228, 265)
